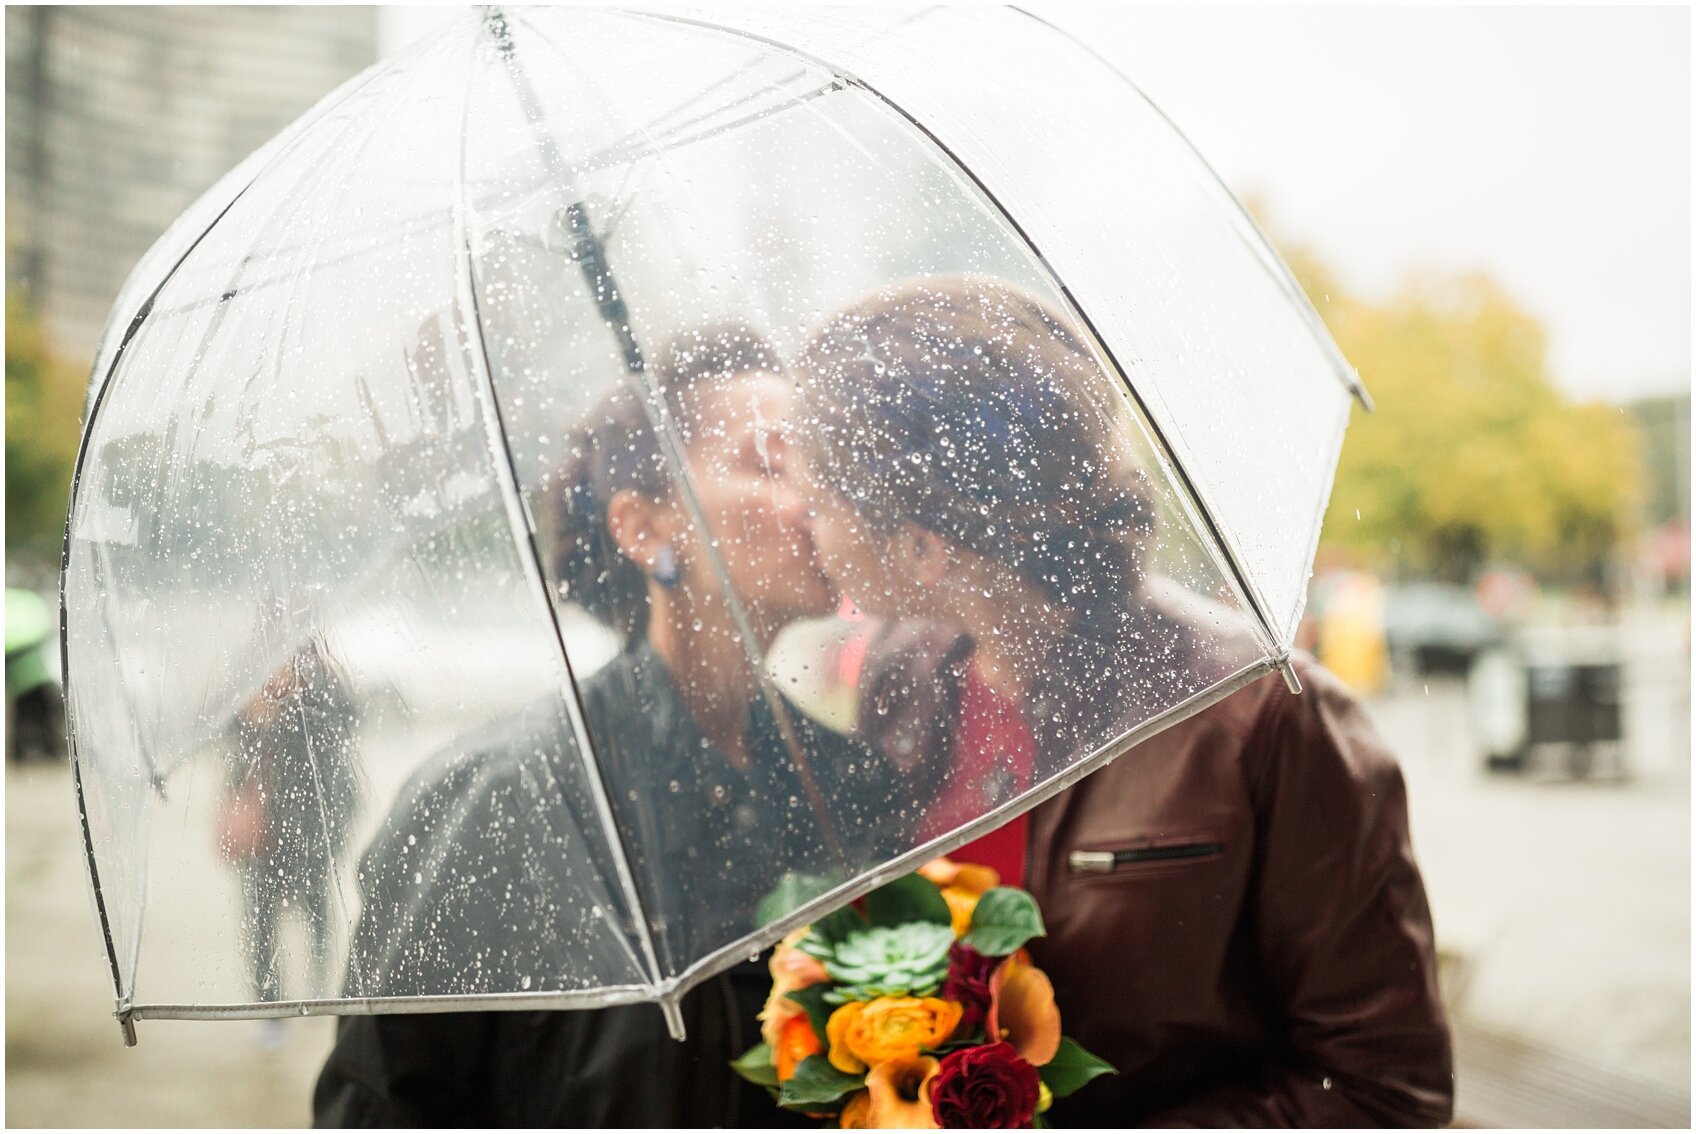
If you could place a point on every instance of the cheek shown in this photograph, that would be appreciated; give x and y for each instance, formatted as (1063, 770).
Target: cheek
(844, 555)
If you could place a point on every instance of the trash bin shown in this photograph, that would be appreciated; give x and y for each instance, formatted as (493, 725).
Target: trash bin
(1521, 706)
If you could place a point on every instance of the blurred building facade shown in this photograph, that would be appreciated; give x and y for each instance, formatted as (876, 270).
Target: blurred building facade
(118, 117)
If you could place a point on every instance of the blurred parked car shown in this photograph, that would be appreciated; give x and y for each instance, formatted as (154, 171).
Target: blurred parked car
(1437, 628)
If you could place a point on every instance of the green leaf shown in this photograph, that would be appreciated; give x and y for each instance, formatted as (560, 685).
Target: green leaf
(835, 928)
(812, 999)
(1005, 918)
(756, 1066)
(792, 892)
(1071, 1068)
(909, 898)
(816, 1085)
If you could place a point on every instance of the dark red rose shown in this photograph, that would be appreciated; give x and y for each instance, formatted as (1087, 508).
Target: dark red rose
(987, 1087)
(967, 985)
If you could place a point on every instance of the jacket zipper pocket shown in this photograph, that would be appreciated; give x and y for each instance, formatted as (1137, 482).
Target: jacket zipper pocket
(1105, 862)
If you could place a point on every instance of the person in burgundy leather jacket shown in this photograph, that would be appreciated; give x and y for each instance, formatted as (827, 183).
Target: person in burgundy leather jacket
(1235, 917)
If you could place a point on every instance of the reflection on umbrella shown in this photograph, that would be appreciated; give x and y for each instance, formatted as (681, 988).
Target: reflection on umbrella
(727, 462)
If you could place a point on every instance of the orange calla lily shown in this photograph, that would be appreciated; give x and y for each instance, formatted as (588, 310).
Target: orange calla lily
(1022, 1010)
(855, 1113)
(965, 876)
(796, 1043)
(962, 884)
(899, 1090)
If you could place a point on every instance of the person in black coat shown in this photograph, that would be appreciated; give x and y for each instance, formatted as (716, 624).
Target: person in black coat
(492, 875)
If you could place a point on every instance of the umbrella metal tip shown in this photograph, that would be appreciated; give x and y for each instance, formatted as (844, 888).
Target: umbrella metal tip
(1290, 678)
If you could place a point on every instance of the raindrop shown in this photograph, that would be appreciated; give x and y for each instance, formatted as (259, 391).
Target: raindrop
(1326, 1082)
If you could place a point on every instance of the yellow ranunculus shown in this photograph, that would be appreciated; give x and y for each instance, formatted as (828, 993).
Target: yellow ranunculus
(863, 1034)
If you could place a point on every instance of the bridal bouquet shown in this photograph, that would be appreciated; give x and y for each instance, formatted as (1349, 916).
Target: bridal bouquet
(918, 1007)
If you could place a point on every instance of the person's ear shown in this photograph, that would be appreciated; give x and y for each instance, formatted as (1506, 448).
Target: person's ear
(922, 553)
(640, 526)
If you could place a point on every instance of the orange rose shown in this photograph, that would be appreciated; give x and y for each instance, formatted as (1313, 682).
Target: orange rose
(866, 1033)
(796, 1043)
(899, 1090)
(791, 970)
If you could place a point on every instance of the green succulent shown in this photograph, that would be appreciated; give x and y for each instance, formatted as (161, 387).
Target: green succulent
(896, 960)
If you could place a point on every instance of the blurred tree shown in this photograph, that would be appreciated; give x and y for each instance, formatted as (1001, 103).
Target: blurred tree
(43, 412)
(1473, 456)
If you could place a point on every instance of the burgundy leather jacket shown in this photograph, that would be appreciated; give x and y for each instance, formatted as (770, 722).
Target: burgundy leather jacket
(1235, 919)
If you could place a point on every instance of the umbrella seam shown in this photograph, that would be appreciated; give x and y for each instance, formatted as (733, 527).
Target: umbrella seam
(666, 434)
(516, 510)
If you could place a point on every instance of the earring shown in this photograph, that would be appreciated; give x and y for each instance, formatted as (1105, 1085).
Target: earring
(666, 573)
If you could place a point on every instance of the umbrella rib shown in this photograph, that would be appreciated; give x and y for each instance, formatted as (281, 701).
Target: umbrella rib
(591, 256)
(523, 531)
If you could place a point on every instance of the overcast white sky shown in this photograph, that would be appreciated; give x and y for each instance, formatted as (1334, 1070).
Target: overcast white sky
(1550, 147)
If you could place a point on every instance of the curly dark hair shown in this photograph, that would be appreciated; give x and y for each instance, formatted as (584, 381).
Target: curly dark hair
(614, 448)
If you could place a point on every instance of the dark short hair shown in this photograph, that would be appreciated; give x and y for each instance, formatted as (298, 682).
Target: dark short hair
(614, 448)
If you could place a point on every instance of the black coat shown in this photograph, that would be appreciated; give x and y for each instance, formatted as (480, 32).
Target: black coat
(611, 1067)
(473, 887)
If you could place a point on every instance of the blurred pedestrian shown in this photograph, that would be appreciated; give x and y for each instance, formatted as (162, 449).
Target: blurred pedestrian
(291, 796)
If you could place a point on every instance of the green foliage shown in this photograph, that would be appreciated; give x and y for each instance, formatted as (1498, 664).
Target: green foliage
(1473, 455)
(908, 898)
(816, 1085)
(1003, 920)
(1071, 1068)
(43, 409)
(756, 1066)
(792, 891)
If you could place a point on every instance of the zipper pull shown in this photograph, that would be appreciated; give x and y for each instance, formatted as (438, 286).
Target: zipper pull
(1091, 861)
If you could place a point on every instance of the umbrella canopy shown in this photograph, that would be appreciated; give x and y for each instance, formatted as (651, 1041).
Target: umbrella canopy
(603, 489)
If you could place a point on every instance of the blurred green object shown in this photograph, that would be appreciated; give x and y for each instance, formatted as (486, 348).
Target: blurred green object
(28, 624)
(35, 709)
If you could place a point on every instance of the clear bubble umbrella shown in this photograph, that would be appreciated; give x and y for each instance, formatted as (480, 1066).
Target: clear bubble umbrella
(533, 515)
